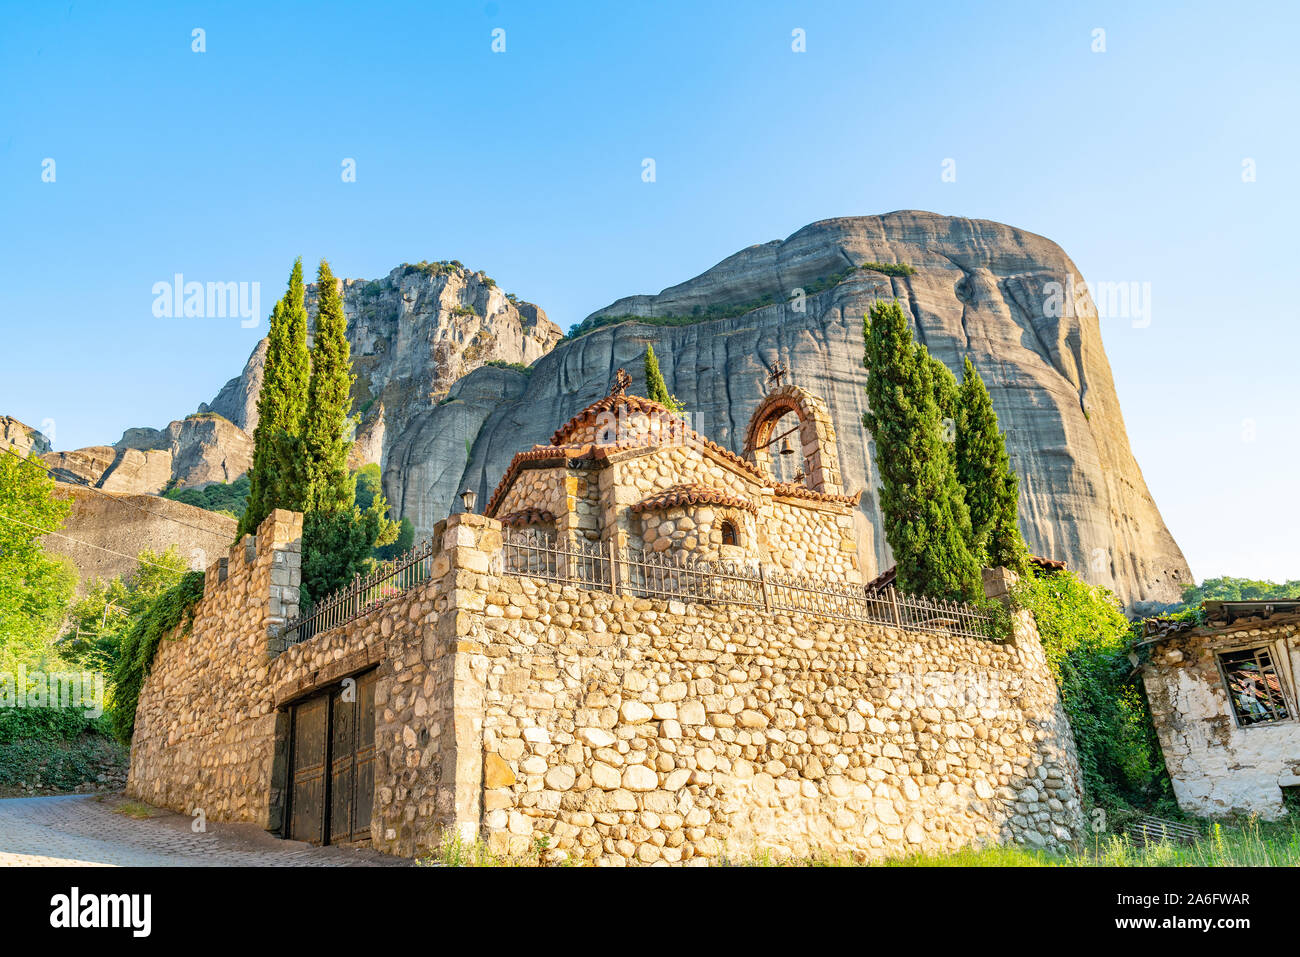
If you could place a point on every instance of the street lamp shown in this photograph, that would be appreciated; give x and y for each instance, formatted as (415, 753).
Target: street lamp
(468, 497)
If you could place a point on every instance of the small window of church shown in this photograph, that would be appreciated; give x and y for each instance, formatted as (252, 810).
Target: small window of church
(729, 534)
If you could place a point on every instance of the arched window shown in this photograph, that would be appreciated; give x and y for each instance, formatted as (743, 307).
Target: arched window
(730, 536)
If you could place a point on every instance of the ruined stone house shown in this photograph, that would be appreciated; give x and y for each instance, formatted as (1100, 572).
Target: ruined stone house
(1223, 699)
(648, 650)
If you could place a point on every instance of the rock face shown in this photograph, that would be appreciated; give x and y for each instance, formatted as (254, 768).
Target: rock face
(438, 418)
(978, 290)
(237, 400)
(22, 438)
(191, 453)
(114, 526)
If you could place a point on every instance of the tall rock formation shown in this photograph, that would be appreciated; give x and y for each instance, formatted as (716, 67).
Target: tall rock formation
(437, 349)
(978, 290)
(23, 439)
(198, 450)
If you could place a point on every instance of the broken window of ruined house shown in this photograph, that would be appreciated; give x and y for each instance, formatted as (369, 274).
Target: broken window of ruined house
(1253, 686)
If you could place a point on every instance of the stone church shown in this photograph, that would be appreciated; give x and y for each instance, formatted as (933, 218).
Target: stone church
(647, 650)
(629, 472)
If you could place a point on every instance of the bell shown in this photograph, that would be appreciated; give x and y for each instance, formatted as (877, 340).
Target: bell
(785, 447)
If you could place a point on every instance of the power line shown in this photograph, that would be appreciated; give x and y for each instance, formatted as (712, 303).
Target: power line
(45, 531)
(82, 483)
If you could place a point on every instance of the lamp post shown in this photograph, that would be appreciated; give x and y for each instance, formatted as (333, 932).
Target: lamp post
(468, 498)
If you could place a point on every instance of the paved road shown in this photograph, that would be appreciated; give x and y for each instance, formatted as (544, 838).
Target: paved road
(86, 830)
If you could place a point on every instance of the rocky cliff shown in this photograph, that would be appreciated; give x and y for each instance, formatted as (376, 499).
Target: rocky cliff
(190, 453)
(22, 438)
(443, 408)
(978, 290)
(413, 334)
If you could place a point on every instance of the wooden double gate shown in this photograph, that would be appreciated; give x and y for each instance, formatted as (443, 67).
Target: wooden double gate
(332, 762)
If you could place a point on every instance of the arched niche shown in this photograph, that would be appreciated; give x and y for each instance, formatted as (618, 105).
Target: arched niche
(816, 437)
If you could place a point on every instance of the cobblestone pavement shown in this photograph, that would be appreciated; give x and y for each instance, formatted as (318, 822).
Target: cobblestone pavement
(88, 830)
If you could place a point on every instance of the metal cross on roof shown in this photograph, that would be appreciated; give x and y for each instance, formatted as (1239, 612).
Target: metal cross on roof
(621, 381)
(779, 371)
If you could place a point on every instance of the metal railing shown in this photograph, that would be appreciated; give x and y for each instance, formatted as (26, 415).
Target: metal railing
(363, 594)
(535, 554)
(669, 576)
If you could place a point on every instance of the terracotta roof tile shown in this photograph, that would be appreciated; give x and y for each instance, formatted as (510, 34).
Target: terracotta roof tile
(561, 450)
(527, 516)
(693, 494)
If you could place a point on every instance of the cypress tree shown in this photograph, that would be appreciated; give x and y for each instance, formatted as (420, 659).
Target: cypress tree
(926, 522)
(337, 536)
(656, 388)
(324, 448)
(991, 489)
(280, 407)
(946, 396)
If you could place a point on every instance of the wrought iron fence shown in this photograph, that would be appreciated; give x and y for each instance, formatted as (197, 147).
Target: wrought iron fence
(363, 594)
(578, 562)
(673, 576)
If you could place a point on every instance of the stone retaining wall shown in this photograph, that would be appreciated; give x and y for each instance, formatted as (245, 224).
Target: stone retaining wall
(624, 730)
(206, 730)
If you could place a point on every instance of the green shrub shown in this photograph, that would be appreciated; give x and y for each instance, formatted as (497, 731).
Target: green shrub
(890, 269)
(228, 499)
(60, 764)
(517, 366)
(48, 724)
(1086, 638)
(135, 656)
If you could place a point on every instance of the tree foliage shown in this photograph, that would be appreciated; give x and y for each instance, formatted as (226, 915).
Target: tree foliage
(98, 620)
(224, 498)
(171, 608)
(1085, 637)
(926, 522)
(281, 404)
(338, 537)
(656, 388)
(326, 423)
(1239, 589)
(989, 484)
(34, 587)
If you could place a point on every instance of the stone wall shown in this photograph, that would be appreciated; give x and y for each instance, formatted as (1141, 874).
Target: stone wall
(637, 731)
(206, 731)
(1218, 767)
(624, 730)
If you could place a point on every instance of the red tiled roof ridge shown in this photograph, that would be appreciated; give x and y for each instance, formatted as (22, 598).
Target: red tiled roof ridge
(608, 404)
(693, 493)
(528, 516)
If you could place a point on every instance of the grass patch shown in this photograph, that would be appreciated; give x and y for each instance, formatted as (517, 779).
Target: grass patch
(1248, 843)
(455, 851)
(136, 810)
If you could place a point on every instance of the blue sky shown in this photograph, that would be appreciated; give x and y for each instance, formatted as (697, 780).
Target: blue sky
(224, 165)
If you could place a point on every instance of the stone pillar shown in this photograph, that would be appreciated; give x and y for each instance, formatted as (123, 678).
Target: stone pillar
(278, 546)
(998, 583)
(471, 557)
